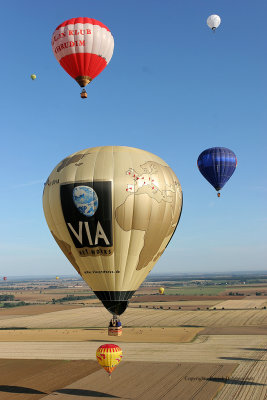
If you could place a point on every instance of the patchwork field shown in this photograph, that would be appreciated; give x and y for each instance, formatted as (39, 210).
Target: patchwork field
(98, 317)
(35, 379)
(213, 347)
(237, 365)
(156, 381)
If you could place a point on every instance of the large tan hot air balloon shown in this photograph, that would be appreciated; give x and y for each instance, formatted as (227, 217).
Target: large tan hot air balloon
(112, 210)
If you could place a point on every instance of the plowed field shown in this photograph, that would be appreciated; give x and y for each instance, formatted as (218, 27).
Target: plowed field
(35, 379)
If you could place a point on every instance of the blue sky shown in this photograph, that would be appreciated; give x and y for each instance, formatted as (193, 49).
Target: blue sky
(173, 88)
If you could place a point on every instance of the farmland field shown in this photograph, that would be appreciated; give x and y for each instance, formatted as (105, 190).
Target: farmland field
(196, 291)
(135, 317)
(35, 379)
(132, 335)
(203, 346)
(241, 304)
(237, 365)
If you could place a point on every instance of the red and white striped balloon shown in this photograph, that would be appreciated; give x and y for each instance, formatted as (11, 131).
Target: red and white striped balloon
(83, 47)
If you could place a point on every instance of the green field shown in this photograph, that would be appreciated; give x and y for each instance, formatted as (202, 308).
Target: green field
(196, 291)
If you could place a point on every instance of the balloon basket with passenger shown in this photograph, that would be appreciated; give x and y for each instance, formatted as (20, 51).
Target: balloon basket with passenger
(83, 94)
(115, 327)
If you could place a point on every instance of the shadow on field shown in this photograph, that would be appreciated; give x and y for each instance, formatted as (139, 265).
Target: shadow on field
(235, 381)
(254, 349)
(19, 389)
(240, 359)
(89, 393)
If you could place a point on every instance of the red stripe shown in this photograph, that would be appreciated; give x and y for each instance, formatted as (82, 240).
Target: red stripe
(81, 20)
(109, 346)
(83, 64)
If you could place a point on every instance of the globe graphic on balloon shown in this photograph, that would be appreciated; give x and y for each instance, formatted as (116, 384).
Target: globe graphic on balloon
(85, 199)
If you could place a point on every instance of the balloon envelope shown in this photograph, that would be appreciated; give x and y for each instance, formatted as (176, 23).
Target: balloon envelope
(109, 356)
(217, 165)
(33, 76)
(112, 210)
(213, 21)
(161, 290)
(83, 47)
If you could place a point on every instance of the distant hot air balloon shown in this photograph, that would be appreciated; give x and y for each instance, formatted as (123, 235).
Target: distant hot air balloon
(161, 290)
(4, 278)
(213, 22)
(57, 277)
(109, 356)
(217, 165)
(33, 77)
(112, 210)
(83, 47)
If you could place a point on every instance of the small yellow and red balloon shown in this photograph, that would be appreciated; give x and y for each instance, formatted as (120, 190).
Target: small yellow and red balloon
(161, 290)
(33, 77)
(109, 356)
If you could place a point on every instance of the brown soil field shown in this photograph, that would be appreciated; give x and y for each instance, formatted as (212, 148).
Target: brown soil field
(248, 290)
(151, 381)
(36, 309)
(35, 379)
(174, 298)
(235, 330)
(98, 317)
(133, 335)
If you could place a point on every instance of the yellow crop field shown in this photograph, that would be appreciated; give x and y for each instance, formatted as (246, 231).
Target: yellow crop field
(241, 304)
(130, 335)
(99, 317)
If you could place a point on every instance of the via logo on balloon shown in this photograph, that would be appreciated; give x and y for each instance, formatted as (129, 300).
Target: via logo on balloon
(85, 199)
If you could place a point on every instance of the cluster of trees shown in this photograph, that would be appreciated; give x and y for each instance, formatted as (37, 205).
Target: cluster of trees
(71, 297)
(235, 294)
(7, 297)
(15, 304)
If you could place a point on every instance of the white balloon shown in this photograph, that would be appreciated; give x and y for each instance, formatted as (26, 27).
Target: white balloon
(213, 21)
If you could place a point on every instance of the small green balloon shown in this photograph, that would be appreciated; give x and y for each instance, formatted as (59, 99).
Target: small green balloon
(33, 76)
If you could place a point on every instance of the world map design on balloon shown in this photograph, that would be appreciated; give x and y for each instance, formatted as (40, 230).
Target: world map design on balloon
(85, 199)
(151, 181)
